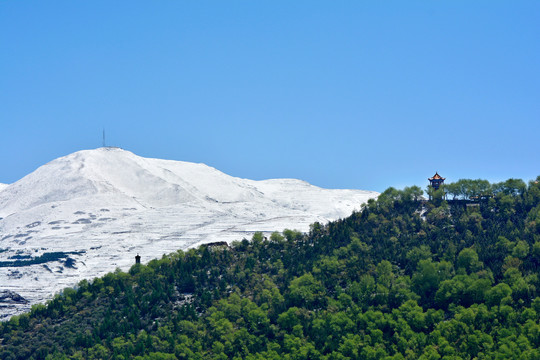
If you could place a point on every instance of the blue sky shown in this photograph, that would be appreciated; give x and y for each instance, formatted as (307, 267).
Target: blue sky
(342, 94)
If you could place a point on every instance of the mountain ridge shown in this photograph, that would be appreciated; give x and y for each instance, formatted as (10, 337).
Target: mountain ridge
(95, 209)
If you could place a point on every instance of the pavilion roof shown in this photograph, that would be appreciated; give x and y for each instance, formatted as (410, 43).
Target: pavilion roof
(436, 177)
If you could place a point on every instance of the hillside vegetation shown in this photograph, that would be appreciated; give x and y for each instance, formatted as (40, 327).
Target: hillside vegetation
(402, 279)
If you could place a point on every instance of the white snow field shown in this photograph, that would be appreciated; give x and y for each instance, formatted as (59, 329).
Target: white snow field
(3, 186)
(99, 208)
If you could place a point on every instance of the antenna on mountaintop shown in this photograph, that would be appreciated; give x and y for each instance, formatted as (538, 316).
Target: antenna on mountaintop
(104, 138)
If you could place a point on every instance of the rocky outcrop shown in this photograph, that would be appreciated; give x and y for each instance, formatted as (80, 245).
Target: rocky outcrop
(11, 297)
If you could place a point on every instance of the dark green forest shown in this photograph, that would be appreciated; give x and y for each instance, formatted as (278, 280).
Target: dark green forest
(403, 278)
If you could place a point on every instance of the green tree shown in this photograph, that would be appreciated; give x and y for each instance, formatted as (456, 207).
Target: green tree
(306, 291)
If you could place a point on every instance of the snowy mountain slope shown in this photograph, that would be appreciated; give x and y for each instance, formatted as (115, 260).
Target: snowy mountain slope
(3, 186)
(85, 214)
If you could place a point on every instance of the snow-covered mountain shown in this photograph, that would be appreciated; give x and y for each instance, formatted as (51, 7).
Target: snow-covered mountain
(3, 186)
(85, 214)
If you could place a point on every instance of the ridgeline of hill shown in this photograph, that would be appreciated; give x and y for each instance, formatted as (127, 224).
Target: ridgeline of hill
(402, 279)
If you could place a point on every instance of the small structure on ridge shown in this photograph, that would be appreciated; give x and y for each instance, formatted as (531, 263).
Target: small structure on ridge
(436, 181)
(137, 259)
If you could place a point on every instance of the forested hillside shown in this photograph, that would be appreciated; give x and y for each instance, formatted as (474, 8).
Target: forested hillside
(402, 279)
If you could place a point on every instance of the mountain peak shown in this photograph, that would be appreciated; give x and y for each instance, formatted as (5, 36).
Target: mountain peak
(98, 208)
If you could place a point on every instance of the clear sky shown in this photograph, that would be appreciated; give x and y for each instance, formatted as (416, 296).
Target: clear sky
(342, 94)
